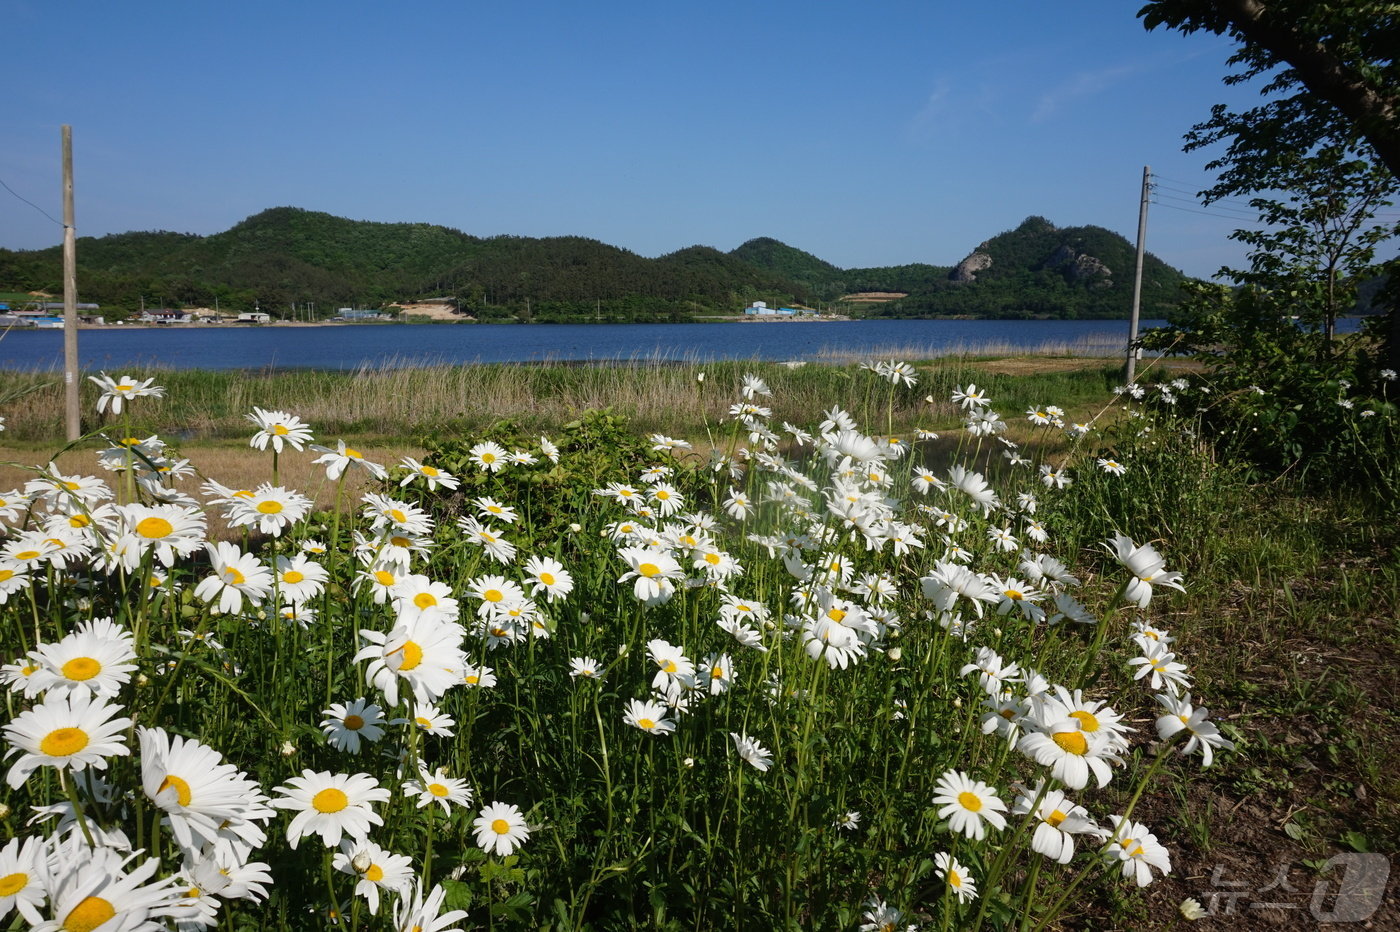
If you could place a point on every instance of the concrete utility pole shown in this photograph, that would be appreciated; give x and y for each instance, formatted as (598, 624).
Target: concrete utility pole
(1133, 352)
(73, 414)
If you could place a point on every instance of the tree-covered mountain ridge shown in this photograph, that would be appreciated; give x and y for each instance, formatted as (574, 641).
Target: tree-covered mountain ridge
(287, 256)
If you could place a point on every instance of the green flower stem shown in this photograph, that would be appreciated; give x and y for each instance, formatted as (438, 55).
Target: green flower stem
(71, 788)
(999, 865)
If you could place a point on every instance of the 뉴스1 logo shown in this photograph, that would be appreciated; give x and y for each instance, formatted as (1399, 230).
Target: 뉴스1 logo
(1350, 889)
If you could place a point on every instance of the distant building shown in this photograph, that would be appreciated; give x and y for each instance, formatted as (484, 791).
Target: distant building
(761, 309)
(358, 313)
(164, 315)
(254, 317)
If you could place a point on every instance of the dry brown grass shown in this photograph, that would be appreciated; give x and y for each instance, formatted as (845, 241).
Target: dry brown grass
(236, 466)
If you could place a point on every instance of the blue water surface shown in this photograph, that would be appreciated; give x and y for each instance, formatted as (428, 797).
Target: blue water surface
(376, 345)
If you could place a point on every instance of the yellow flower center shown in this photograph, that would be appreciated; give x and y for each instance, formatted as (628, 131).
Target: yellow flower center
(374, 874)
(471, 679)
(668, 665)
(970, 801)
(717, 673)
(270, 507)
(234, 576)
(955, 879)
(837, 615)
(1071, 741)
(354, 454)
(90, 913)
(1087, 722)
(424, 722)
(662, 494)
(438, 790)
(500, 826)
(292, 577)
(399, 541)
(1014, 594)
(430, 471)
(712, 559)
(412, 655)
(425, 600)
(82, 668)
(243, 493)
(649, 570)
(353, 722)
(397, 515)
(280, 430)
(182, 789)
(64, 742)
(1055, 818)
(81, 521)
(11, 884)
(384, 577)
(493, 595)
(330, 800)
(547, 578)
(488, 457)
(26, 554)
(646, 723)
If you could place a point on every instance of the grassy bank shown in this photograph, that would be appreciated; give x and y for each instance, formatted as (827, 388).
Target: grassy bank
(409, 403)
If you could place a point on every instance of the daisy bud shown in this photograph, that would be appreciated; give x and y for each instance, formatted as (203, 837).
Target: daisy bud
(362, 862)
(689, 762)
(700, 377)
(575, 528)
(1191, 910)
(957, 702)
(142, 680)
(288, 749)
(4, 811)
(894, 653)
(928, 399)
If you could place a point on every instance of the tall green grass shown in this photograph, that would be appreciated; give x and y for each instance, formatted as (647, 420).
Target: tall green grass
(409, 403)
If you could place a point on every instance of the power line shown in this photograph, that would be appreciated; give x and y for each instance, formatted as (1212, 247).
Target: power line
(1227, 211)
(29, 202)
(1229, 201)
(1204, 213)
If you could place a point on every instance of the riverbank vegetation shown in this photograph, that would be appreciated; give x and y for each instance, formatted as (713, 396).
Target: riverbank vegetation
(403, 403)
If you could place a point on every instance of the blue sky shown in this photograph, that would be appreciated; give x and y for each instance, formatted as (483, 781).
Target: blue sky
(868, 133)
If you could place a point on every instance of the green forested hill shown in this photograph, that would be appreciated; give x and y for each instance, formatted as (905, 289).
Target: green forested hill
(1039, 269)
(287, 256)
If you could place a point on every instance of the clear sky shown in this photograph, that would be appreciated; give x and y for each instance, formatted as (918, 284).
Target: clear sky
(869, 133)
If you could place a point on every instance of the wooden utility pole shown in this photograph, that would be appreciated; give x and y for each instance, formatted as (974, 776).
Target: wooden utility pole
(1133, 352)
(73, 414)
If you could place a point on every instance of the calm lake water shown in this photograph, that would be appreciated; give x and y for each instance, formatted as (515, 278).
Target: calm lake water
(349, 347)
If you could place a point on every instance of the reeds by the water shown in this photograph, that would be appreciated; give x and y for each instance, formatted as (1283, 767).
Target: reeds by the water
(400, 401)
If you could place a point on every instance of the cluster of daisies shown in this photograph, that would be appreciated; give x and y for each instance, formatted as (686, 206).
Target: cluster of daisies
(819, 504)
(86, 871)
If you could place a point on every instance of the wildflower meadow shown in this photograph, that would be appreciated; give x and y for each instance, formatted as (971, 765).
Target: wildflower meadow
(772, 675)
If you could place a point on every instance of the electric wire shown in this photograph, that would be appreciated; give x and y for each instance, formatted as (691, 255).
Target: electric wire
(29, 202)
